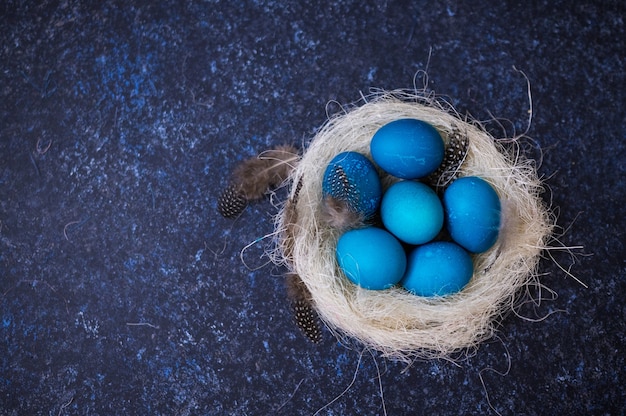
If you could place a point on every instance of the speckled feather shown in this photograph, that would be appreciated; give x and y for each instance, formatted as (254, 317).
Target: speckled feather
(290, 221)
(296, 192)
(338, 206)
(259, 174)
(306, 317)
(342, 188)
(231, 201)
(253, 177)
(453, 158)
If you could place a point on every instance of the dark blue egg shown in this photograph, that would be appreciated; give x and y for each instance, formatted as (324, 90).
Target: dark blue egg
(352, 177)
(407, 148)
(472, 210)
(437, 269)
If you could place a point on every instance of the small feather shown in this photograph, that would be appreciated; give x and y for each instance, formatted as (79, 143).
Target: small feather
(307, 321)
(259, 174)
(231, 202)
(296, 192)
(453, 159)
(306, 317)
(296, 289)
(340, 201)
(290, 219)
(339, 214)
(341, 188)
(253, 177)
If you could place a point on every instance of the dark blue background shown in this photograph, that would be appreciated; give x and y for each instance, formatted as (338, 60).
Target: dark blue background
(122, 291)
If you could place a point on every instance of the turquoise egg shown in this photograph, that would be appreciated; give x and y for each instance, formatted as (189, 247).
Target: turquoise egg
(412, 212)
(473, 211)
(371, 258)
(407, 148)
(352, 177)
(437, 269)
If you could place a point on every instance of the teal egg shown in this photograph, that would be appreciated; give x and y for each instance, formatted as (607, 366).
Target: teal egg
(437, 269)
(407, 148)
(371, 258)
(352, 177)
(412, 212)
(473, 212)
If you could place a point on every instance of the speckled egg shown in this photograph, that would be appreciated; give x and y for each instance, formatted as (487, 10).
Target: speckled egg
(352, 177)
(473, 212)
(371, 258)
(437, 269)
(412, 212)
(407, 148)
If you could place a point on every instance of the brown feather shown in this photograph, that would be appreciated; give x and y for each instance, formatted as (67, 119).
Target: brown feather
(257, 175)
(289, 220)
(296, 192)
(253, 177)
(304, 312)
(296, 289)
(231, 202)
(338, 214)
(453, 159)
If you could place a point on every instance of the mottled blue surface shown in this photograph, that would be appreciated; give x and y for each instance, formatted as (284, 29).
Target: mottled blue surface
(123, 292)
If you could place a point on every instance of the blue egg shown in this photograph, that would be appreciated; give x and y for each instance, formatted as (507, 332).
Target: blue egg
(473, 211)
(437, 269)
(351, 177)
(412, 212)
(407, 148)
(371, 258)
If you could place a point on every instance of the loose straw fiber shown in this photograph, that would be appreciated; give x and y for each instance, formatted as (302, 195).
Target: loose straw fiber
(400, 325)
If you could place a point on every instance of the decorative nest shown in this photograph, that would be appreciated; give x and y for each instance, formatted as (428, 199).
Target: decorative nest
(400, 325)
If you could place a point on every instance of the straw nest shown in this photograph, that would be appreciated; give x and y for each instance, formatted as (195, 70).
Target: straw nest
(400, 325)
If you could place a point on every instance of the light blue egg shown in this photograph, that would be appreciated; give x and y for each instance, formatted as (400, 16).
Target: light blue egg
(371, 258)
(352, 177)
(412, 212)
(437, 269)
(473, 212)
(407, 148)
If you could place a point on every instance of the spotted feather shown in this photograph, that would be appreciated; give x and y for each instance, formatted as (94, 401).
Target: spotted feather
(453, 159)
(305, 316)
(254, 177)
(231, 202)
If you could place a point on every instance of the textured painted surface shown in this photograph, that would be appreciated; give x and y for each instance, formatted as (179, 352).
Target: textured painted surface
(123, 292)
